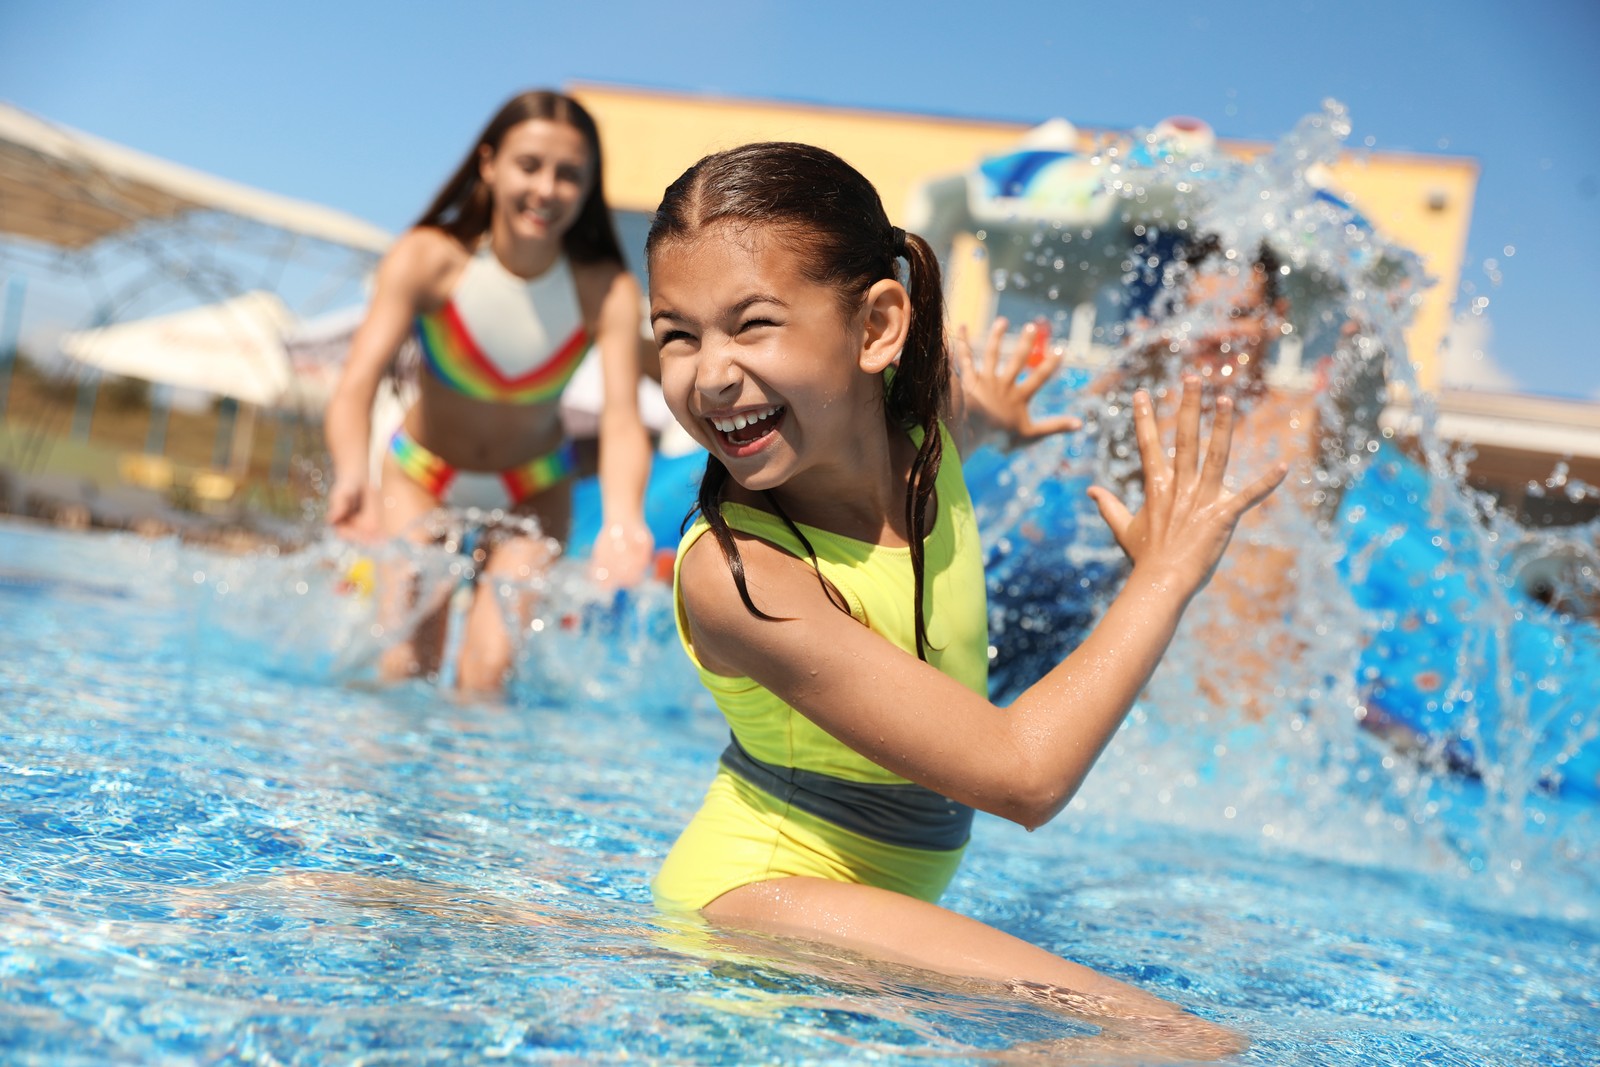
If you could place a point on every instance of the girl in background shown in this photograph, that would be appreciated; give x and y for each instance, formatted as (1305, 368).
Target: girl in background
(836, 611)
(506, 281)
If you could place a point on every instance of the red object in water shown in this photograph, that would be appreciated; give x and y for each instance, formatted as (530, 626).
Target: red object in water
(1041, 341)
(1428, 681)
(664, 560)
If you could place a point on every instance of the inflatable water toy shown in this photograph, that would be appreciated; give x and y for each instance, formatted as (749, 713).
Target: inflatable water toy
(1483, 677)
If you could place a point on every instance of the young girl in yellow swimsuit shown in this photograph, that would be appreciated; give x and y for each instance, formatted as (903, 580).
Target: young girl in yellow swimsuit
(831, 591)
(506, 281)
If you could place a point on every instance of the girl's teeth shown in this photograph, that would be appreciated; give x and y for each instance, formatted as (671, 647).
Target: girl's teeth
(743, 419)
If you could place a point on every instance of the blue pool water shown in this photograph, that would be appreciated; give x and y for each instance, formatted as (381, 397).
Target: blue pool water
(219, 850)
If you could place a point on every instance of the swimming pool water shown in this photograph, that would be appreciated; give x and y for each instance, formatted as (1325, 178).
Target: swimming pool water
(219, 848)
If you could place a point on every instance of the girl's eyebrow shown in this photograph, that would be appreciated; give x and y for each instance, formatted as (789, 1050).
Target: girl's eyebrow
(756, 298)
(737, 309)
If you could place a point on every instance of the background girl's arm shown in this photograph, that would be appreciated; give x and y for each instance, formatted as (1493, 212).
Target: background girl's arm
(624, 546)
(406, 274)
(990, 395)
(1023, 762)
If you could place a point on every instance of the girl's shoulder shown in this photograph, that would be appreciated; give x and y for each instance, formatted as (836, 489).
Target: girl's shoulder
(760, 537)
(781, 583)
(601, 275)
(424, 263)
(597, 283)
(428, 244)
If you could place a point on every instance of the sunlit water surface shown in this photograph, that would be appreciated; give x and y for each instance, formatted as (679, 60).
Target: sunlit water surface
(211, 857)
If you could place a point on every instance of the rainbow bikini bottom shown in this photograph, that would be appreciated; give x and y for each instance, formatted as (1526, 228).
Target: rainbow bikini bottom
(484, 489)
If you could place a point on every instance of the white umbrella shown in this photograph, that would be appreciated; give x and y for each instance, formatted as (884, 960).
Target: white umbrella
(234, 348)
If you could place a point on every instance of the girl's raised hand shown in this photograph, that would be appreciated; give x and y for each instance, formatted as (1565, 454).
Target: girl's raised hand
(1188, 515)
(992, 397)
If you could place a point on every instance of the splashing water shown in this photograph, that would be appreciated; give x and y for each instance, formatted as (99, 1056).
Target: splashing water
(1412, 705)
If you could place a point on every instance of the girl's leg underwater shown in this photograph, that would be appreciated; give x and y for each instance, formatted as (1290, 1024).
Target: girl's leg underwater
(403, 504)
(487, 646)
(899, 929)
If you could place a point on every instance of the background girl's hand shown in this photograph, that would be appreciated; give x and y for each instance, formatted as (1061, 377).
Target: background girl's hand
(351, 513)
(1188, 515)
(622, 553)
(992, 397)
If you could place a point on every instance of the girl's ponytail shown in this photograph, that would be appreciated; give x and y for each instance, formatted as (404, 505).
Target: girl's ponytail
(919, 396)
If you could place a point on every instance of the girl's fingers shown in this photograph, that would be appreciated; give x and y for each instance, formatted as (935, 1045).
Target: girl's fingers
(991, 347)
(1186, 462)
(1053, 425)
(1259, 490)
(1153, 459)
(1112, 510)
(1019, 353)
(1040, 375)
(1151, 455)
(1217, 451)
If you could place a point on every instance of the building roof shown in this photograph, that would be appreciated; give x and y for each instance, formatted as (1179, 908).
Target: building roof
(1544, 425)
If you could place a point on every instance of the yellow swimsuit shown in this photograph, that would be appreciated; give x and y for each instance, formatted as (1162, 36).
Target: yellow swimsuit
(788, 798)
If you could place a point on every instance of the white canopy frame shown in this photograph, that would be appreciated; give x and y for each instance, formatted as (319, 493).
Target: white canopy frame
(143, 236)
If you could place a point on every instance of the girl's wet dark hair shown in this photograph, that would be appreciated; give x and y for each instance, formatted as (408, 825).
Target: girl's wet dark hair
(832, 217)
(1191, 253)
(463, 207)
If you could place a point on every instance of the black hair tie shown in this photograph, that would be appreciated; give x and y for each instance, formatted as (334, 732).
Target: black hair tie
(897, 242)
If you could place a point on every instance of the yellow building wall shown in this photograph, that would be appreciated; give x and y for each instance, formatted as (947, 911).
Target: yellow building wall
(650, 137)
(1423, 203)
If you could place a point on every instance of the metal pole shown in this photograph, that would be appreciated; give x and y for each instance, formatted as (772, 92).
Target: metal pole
(227, 416)
(155, 438)
(10, 333)
(88, 389)
(83, 411)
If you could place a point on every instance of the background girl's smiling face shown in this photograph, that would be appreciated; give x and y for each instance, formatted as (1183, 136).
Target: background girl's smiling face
(538, 177)
(760, 364)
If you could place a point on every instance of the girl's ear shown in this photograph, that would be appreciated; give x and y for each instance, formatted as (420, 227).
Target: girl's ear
(888, 308)
(486, 164)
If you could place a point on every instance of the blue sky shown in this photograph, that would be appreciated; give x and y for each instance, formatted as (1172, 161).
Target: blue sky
(365, 106)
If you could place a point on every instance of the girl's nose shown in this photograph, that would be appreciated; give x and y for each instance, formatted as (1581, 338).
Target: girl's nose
(719, 373)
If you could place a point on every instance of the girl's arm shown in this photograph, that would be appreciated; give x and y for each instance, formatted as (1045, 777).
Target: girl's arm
(1023, 762)
(990, 397)
(410, 269)
(624, 546)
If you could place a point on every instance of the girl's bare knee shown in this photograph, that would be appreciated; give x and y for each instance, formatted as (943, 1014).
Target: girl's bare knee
(482, 670)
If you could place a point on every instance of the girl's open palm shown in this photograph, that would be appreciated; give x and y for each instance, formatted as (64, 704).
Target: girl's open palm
(991, 393)
(1188, 515)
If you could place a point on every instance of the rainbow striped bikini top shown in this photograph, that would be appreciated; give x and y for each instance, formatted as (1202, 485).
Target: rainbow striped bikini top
(504, 338)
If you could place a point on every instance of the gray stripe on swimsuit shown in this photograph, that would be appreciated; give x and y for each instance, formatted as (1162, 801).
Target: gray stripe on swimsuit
(907, 815)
